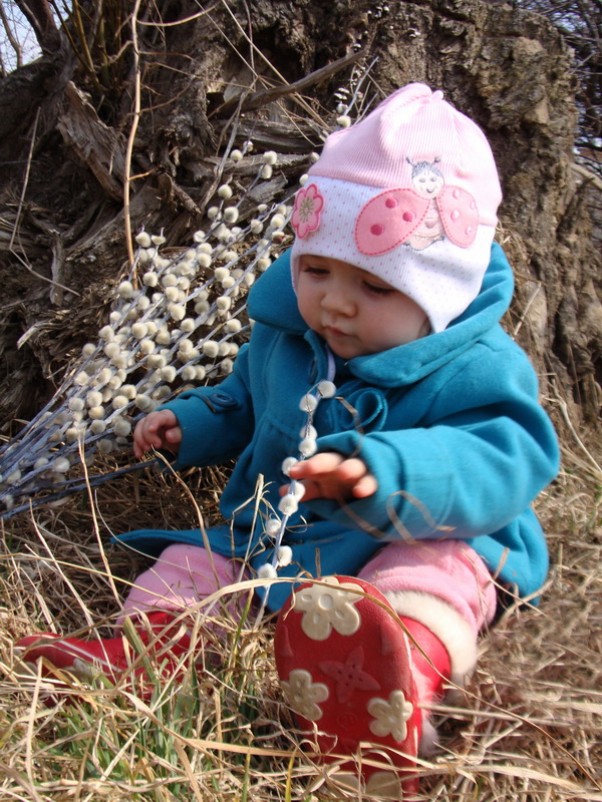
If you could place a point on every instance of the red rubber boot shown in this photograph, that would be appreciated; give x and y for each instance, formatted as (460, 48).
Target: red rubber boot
(432, 668)
(346, 669)
(161, 640)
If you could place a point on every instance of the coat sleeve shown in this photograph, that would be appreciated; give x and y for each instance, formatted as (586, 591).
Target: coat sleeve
(217, 422)
(485, 451)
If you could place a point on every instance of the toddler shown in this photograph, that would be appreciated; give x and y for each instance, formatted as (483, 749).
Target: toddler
(400, 437)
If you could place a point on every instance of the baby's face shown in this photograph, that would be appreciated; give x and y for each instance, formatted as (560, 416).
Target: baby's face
(354, 311)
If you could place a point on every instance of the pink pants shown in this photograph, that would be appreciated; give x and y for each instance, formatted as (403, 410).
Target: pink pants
(443, 584)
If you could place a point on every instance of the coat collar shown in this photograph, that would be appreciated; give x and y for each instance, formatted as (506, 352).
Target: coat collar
(273, 302)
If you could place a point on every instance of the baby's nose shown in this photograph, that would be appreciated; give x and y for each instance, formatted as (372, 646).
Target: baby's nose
(337, 301)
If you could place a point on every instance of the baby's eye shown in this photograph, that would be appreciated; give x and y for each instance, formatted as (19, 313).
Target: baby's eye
(377, 289)
(314, 270)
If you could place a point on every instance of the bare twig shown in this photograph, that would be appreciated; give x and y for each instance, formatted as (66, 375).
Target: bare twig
(132, 137)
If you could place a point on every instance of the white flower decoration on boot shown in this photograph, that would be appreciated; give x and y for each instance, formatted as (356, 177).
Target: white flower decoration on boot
(381, 784)
(390, 717)
(328, 608)
(303, 695)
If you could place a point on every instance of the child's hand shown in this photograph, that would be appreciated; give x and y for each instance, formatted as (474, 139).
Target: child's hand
(157, 430)
(330, 475)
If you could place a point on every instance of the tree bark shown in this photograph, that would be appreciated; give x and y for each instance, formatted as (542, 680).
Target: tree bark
(127, 119)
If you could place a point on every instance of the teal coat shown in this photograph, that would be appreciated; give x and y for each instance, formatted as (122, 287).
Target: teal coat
(450, 425)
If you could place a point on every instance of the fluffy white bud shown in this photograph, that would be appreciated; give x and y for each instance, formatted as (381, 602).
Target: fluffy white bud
(72, 434)
(309, 431)
(129, 391)
(172, 294)
(273, 526)
(121, 427)
(266, 571)
(210, 348)
(112, 349)
(163, 336)
(186, 346)
(105, 446)
(327, 389)
(284, 556)
(121, 360)
(156, 361)
(126, 290)
(94, 398)
(288, 505)
(139, 330)
(177, 311)
(144, 402)
(287, 464)
(231, 214)
(221, 273)
(277, 221)
(107, 333)
(225, 191)
(98, 427)
(147, 347)
(103, 376)
(309, 403)
(308, 446)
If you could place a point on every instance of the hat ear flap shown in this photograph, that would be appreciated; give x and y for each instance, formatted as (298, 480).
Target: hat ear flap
(387, 220)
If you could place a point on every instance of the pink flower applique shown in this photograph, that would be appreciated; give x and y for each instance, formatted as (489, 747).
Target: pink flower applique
(308, 211)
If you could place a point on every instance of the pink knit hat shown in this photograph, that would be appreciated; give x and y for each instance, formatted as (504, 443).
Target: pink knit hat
(410, 194)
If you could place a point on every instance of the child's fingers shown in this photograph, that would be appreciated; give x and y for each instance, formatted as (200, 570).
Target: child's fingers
(323, 463)
(173, 436)
(366, 486)
(330, 475)
(155, 430)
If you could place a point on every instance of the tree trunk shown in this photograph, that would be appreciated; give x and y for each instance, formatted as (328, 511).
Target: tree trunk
(120, 125)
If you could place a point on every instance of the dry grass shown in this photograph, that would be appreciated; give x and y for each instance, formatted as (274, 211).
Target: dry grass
(527, 728)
